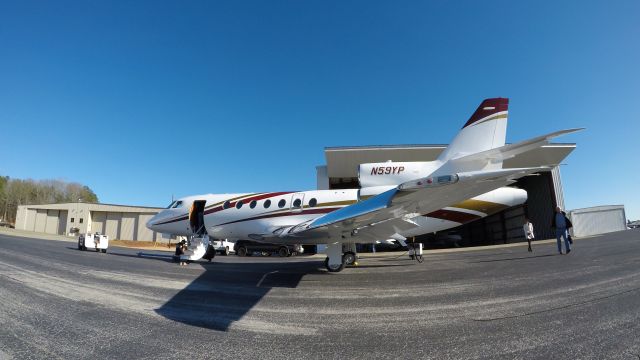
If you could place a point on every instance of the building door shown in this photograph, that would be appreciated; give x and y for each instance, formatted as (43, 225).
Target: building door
(62, 223)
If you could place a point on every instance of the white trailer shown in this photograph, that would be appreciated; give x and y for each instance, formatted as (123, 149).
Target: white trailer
(95, 241)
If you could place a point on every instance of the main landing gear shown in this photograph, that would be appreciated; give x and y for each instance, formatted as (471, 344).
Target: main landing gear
(337, 257)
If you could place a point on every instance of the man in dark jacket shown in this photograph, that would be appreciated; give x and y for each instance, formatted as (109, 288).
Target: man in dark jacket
(561, 223)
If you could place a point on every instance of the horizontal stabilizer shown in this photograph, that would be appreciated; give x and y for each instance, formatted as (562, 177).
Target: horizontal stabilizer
(498, 155)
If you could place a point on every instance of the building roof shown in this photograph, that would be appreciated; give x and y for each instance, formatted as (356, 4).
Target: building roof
(95, 207)
(342, 162)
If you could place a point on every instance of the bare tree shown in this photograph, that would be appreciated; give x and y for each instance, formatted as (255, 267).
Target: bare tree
(16, 192)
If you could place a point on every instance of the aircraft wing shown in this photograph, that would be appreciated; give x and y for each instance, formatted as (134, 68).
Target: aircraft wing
(388, 213)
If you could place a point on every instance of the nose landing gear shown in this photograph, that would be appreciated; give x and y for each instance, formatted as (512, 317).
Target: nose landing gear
(338, 257)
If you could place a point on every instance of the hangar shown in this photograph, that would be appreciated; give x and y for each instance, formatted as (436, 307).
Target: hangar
(116, 221)
(544, 189)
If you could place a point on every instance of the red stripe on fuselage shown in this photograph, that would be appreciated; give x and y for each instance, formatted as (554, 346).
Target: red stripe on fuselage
(247, 200)
(182, 217)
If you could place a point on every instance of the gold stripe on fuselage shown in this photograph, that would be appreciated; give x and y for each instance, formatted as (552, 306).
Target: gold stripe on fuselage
(486, 207)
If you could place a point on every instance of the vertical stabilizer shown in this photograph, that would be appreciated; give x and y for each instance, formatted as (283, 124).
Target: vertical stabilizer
(486, 129)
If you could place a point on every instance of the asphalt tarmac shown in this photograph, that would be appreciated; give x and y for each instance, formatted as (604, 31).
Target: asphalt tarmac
(59, 302)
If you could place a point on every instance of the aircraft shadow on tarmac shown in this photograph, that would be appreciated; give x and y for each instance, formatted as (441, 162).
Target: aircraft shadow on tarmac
(225, 292)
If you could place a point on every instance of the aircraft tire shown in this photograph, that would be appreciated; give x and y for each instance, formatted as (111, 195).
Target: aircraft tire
(333, 269)
(242, 251)
(210, 253)
(104, 251)
(283, 252)
(349, 258)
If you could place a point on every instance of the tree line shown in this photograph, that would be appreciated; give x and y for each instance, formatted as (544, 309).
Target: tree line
(16, 192)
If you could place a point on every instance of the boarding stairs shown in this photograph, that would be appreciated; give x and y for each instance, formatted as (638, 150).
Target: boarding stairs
(197, 247)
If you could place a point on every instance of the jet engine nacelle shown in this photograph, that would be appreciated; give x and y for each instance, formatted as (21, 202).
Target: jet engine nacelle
(393, 173)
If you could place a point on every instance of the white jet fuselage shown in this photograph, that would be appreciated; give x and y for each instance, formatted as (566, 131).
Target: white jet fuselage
(254, 215)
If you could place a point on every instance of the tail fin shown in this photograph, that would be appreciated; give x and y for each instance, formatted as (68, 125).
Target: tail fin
(486, 129)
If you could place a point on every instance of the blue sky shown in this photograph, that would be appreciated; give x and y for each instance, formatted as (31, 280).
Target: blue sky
(144, 99)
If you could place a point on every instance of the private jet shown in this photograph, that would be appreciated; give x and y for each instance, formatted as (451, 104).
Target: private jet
(396, 200)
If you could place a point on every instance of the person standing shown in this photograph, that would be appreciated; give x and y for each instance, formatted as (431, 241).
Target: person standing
(561, 223)
(528, 232)
(181, 247)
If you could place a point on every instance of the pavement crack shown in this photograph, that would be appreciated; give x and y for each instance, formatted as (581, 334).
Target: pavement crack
(264, 277)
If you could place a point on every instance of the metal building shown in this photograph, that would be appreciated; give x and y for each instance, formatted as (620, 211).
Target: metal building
(598, 220)
(116, 221)
(544, 189)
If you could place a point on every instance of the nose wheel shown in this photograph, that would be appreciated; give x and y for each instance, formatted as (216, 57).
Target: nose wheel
(334, 267)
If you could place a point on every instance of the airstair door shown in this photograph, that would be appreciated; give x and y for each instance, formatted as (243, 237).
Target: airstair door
(196, 217)
(297, 202)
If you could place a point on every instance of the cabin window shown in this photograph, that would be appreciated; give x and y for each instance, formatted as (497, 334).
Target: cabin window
(226, 204)
(239, 204)
(267, 204)
(178, 203)
(282, 203)
(297, 203)
(313, 202)
(170, 205)
(253, 204)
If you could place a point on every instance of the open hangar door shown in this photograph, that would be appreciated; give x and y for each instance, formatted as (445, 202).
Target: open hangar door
(505, 226)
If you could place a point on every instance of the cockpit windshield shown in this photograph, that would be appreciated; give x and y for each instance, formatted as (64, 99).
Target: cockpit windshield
(174, 204)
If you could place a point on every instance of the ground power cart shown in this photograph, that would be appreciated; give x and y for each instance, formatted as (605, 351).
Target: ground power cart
(96, 241)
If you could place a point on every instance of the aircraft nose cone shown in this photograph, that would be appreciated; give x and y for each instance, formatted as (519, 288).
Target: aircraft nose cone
(152, 222)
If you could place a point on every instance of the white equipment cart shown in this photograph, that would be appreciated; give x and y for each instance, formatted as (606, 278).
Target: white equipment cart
(95, 241)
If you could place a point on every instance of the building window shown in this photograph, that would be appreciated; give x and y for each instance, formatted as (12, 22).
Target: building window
(81, 220)
(239, 204)
(72, 219)
(253, 204)
(267, 204)
(313, 202)
(282, 203)
(297, 203)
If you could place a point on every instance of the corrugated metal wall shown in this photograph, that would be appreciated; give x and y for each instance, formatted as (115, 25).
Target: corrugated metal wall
(41, 220)
(128, 226)
(598, 220)
(144, 234)
(51, 226)
(557, 186)
(112, 226)
(98, 218)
